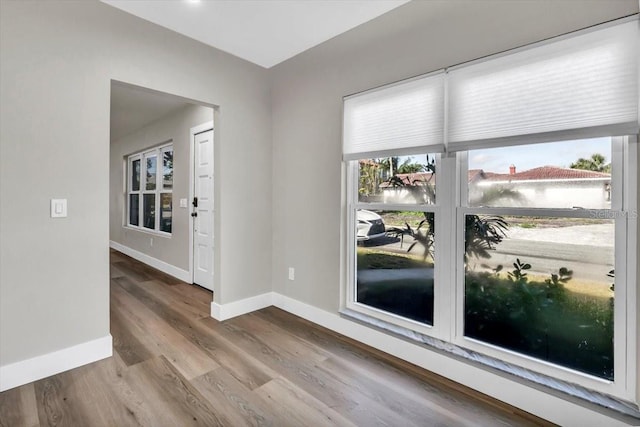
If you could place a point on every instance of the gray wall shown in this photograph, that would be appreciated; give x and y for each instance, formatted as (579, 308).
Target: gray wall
(173, 250)
(56, 65)
(307, 93)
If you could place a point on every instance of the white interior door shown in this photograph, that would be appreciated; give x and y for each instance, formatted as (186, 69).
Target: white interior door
(203, 210)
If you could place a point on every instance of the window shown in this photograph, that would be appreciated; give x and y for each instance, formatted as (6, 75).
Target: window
(538, 279)
(541, 236)
(150, 189)
(394, 222)
(528, 255)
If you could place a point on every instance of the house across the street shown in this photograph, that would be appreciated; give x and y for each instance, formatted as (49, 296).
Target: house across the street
(545, 186)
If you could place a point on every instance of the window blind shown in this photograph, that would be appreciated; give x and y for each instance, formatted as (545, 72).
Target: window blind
(580, 86)
(407, 118)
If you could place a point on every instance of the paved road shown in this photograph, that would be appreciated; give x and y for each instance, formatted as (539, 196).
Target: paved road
(587, 261)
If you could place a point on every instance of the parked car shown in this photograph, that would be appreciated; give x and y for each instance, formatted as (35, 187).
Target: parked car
(370, 225)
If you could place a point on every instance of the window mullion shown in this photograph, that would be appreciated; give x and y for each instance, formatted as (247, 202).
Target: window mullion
(445, 247)
(143, 189)
(159, 171)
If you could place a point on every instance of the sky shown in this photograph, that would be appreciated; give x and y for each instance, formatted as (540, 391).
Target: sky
(525, 157)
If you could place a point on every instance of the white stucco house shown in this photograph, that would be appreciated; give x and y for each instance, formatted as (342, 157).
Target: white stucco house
(545, 186)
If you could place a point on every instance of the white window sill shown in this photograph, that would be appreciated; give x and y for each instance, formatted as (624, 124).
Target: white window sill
(148, 231)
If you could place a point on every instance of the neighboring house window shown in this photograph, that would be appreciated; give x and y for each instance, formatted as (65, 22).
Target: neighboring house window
(528, 255)
(150, 189)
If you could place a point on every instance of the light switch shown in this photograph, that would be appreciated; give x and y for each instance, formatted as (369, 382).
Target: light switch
(183, 203)
(58, 208)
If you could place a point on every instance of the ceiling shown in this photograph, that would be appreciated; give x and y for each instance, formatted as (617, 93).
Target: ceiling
(265, 32)
(133, 108)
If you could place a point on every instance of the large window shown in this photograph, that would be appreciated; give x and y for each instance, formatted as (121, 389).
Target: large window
(528, 255)
(542, 243)
(150, 189)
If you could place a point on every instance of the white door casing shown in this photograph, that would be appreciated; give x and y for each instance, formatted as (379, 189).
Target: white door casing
(203, 244)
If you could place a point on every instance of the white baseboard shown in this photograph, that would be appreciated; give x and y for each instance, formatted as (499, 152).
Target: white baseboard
(36, 368)
(520, 395)
(238, 308)
(167, 268)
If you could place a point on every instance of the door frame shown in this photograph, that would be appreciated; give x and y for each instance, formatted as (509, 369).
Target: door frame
(204, 127)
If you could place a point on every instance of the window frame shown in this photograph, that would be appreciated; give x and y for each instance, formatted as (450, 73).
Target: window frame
(353, 205)
(157, 152)
(621, 212)
(451, 206)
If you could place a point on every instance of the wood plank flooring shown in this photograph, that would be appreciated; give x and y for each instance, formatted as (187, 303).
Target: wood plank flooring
(174, 365)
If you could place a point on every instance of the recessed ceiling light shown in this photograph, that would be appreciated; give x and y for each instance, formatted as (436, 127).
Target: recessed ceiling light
(193, 1)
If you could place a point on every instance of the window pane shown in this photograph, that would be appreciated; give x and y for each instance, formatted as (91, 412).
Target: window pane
(405, 179)
(167, 169)
(165, 212)
(395, 263)
(151, 172)
(554, 175)
(135, 175)
(542, 287)
(149, 210)
(134, 209)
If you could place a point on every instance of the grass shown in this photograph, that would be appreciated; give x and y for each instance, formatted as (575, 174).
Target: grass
(399, 218)
(588, 288)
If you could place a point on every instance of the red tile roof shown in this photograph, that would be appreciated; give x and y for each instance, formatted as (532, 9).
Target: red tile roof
(546, 172)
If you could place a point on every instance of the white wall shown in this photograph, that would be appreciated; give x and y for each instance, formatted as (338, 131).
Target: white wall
(307, 91)
(174, 249)
(57, 60)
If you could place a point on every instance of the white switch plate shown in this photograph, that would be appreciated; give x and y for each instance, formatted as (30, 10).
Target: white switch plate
(292, 273)
(183, 203)
(58, 208)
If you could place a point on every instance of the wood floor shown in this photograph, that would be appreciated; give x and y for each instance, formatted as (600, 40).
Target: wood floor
(173, 365)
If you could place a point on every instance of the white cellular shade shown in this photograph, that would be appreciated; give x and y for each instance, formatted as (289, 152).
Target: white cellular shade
(586, 85)
(407, 118)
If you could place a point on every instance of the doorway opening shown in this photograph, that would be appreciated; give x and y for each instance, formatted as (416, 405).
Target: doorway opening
(161, 200)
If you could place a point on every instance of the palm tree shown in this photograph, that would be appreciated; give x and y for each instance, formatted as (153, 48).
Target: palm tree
(595, 163)
(482, 232)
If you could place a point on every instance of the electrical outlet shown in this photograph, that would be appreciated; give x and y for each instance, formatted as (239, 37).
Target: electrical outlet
(292, 273)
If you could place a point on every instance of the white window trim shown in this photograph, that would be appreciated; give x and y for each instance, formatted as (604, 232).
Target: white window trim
(156, 152)
(450, 209)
